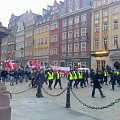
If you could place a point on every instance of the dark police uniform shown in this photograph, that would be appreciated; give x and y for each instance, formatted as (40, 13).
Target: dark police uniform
(96, 85)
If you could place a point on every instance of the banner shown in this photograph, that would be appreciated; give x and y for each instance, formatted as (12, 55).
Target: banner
(63, 70)
(36, 64)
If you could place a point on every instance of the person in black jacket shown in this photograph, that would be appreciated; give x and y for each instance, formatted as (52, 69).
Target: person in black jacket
(40, 81)
(96, 84)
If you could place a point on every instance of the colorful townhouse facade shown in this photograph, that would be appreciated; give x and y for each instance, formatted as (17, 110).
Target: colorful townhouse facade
(55, 25)
(75, 33)
(105, 33)
(41, 37)
(29, 34)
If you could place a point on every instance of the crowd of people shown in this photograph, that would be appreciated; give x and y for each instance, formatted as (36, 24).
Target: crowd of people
(76, 78)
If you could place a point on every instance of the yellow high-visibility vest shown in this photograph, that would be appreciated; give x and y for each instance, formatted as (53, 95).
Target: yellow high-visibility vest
(80, 75)
(58, 75)
(70, 76)
(50, 76)
(75, 75)
(117, 72)
(105, 73)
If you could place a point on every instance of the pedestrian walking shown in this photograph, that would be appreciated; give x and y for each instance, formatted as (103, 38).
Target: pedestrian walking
(80, 77)
(113, 79)
(86, 77)
(105, 75)
(12, 77)
(96, 84)
(70, 78)
(75, 78)
(50, 77)
(58, 79)
(40, 80)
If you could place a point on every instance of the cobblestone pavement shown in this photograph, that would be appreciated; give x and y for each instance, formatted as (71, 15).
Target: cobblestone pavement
(112, 113)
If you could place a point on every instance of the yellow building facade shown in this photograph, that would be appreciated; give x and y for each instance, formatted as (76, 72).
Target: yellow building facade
(105, 35)
(41, 43)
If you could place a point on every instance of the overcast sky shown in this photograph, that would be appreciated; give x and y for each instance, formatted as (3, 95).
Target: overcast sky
(18, 7)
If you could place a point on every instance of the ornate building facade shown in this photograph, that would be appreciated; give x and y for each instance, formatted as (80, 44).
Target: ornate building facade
(75, 33)
(105, 47)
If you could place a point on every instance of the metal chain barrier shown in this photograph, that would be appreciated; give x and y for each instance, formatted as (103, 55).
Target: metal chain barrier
(56, 94)
(97, 108)
(7, 92)
(22, 91)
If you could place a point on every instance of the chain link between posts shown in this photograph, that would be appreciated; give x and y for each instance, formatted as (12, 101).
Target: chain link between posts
(56, 94)
(96, 108)
(7, 92)
(22, 91)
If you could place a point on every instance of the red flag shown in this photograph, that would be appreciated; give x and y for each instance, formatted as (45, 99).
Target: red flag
(36, 64)
(11, 65)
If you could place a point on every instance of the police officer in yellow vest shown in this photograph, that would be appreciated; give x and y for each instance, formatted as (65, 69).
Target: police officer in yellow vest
(58, 79)
(117, 72)
(75, 78)
(105, 75)
(79, 78)
(70, 78)
(50, 77)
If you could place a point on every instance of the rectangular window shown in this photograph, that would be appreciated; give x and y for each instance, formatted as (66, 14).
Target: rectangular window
(55, 38)
(105, 42)
(83, 64)
(99, 3)
(96, 44)
(83, 47)
(103, 63)
(96, 16)
(76, 19)
(70, 21)
(83, 17)
(63, 48)
(64, 35)
(105, 13)
(51, 27)
(98, 64)
(70, 33)
(83, 31)
(115, 24)
(55, 25)
(55, 51)
(77, 7)
(76, 47)
(51, 51)
(41, 40)
(103, 2)
(105, 26)
(45, 40)
(69, 48)
(76, 33)
(51, 39)
(96, 28)
(64, 23)
(115, 40)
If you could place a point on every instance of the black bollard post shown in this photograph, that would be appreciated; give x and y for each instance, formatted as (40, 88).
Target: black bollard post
(38, 94)
(68, 96)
